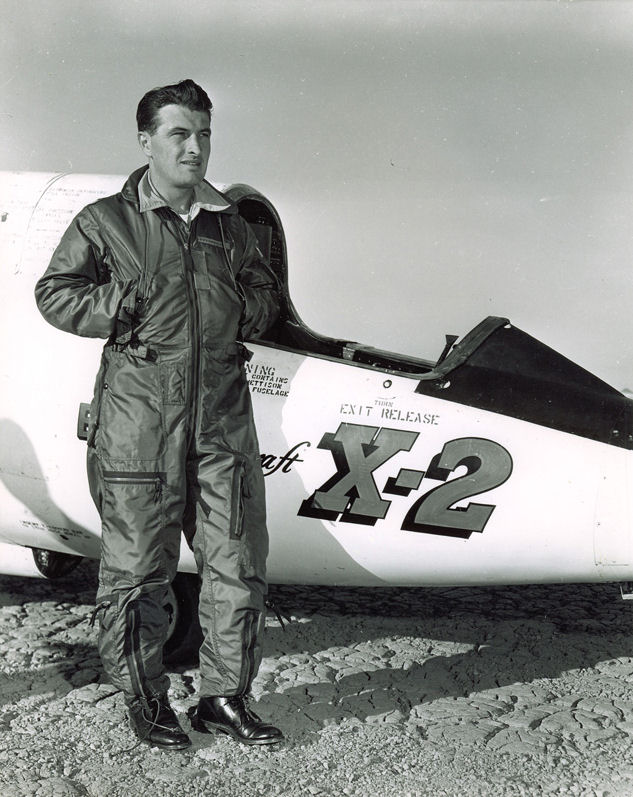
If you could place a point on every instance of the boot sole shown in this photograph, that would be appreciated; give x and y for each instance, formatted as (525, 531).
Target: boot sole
(204, 726)
(158, 745)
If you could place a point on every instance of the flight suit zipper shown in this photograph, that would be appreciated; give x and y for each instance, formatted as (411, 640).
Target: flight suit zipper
(132, 648)
(249, 640)
(194, 327)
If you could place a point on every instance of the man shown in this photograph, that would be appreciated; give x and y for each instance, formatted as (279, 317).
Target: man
(171, 275)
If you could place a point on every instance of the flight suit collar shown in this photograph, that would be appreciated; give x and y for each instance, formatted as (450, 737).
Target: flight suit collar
(206, 197)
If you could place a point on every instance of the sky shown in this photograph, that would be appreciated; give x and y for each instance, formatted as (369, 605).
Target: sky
(433, 163)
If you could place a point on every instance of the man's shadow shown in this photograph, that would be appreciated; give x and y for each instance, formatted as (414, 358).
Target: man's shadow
(23, 477)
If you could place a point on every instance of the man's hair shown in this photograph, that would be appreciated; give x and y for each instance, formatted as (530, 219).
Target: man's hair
(186, 93)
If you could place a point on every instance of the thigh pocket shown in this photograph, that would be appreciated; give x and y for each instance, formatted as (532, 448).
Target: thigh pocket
(224, 385)
(254, 535)
(133, 522)
(130, 417)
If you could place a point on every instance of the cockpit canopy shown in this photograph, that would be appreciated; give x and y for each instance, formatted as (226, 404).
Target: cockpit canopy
(496, 367)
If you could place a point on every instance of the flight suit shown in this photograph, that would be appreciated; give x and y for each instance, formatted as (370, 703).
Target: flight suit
(172, 443)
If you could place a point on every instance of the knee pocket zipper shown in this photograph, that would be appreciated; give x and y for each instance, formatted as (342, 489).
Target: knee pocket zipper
(237, 502)
(132, 478)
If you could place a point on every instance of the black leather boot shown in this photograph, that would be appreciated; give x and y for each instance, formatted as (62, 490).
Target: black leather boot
(233, 716)
(154, 721)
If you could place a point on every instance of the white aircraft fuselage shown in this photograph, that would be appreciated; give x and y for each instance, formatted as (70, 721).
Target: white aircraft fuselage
(379, 470)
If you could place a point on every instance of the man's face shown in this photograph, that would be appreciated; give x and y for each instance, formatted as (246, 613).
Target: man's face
(178, 150)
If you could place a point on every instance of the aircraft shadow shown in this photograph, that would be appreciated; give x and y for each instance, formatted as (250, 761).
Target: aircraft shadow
(64, 665)
(77, 588)
(75, 666)
(515, 635)
(403, 645)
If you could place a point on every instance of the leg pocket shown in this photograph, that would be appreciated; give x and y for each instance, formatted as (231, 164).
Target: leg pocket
(130, 417)
(133, 521)
(253, 531)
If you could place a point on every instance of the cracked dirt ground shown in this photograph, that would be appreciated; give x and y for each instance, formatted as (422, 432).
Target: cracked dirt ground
(524, 690)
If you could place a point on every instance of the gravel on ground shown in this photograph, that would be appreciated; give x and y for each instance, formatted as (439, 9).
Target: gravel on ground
(523, 690)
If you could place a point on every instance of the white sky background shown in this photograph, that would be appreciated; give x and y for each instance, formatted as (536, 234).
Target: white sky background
(433, 162)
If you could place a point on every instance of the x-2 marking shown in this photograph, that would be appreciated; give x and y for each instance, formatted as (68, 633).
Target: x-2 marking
(351, 492)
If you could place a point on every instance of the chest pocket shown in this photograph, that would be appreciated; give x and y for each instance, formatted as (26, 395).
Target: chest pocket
(215, 262)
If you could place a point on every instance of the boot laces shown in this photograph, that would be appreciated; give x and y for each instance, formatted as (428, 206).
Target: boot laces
(152, 721)
(243, 702)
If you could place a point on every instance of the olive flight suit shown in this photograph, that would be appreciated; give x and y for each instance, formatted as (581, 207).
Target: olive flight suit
(172, 443)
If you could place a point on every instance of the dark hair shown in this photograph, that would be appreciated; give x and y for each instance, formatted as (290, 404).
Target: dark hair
(186, 93)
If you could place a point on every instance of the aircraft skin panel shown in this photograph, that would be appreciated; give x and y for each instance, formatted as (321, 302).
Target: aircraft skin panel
(370, 480)
(18, 561)
(541, 521)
